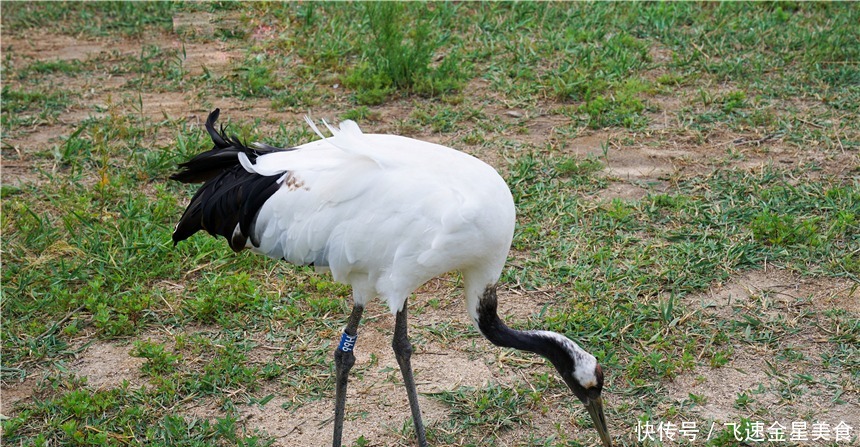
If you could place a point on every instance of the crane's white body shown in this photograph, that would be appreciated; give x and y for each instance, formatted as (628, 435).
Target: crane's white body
(385, 213)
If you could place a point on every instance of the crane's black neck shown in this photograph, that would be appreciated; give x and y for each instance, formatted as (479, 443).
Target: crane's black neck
(546, 344)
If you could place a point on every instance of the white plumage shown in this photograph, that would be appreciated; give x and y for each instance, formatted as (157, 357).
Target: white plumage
(384, 213)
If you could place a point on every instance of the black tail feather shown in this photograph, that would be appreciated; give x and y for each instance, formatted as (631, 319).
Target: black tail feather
(224, 155)
(217, 138)
(230, 195)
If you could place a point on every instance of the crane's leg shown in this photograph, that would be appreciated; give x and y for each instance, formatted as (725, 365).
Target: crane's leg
(403, 352)
(343, 361)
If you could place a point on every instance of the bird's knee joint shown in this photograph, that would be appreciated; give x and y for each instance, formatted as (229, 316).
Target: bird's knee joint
(402, 347)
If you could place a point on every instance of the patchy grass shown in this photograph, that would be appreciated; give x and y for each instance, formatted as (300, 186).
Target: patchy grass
(685, 177)
(94, 19)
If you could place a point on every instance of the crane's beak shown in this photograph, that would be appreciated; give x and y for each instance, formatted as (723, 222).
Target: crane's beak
(595, 409)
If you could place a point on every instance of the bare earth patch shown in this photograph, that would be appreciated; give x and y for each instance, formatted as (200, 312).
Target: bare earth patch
(202, 57)
(14, 391)
(107, 365)
(782, 389)
(774, 289)
(16, 165)
(54, 47)
(161, 105)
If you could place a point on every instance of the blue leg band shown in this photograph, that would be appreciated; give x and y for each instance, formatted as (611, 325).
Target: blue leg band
(347, 342)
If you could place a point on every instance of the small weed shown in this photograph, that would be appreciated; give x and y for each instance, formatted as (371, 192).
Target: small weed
(721, 358)
(743, 401)
(159, 361)
(575, 167)
(734, 100)
(622, 108)
(697, 399)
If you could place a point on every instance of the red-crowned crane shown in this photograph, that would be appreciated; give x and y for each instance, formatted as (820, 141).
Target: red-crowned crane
(384, 214)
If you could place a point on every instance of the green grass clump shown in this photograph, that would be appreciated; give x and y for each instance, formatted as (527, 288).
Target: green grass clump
(256, 78)
(490, 408)
(395, 60)
(28, 107)
(623, 108)
(783, 230)
(51, 67)
(71, 414)
(159, 361)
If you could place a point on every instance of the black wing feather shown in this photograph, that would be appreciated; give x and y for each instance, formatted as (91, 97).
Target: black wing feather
(230, 195)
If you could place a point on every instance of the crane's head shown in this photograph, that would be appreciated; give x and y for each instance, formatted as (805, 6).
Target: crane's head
(583, 375)
(587, 385)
